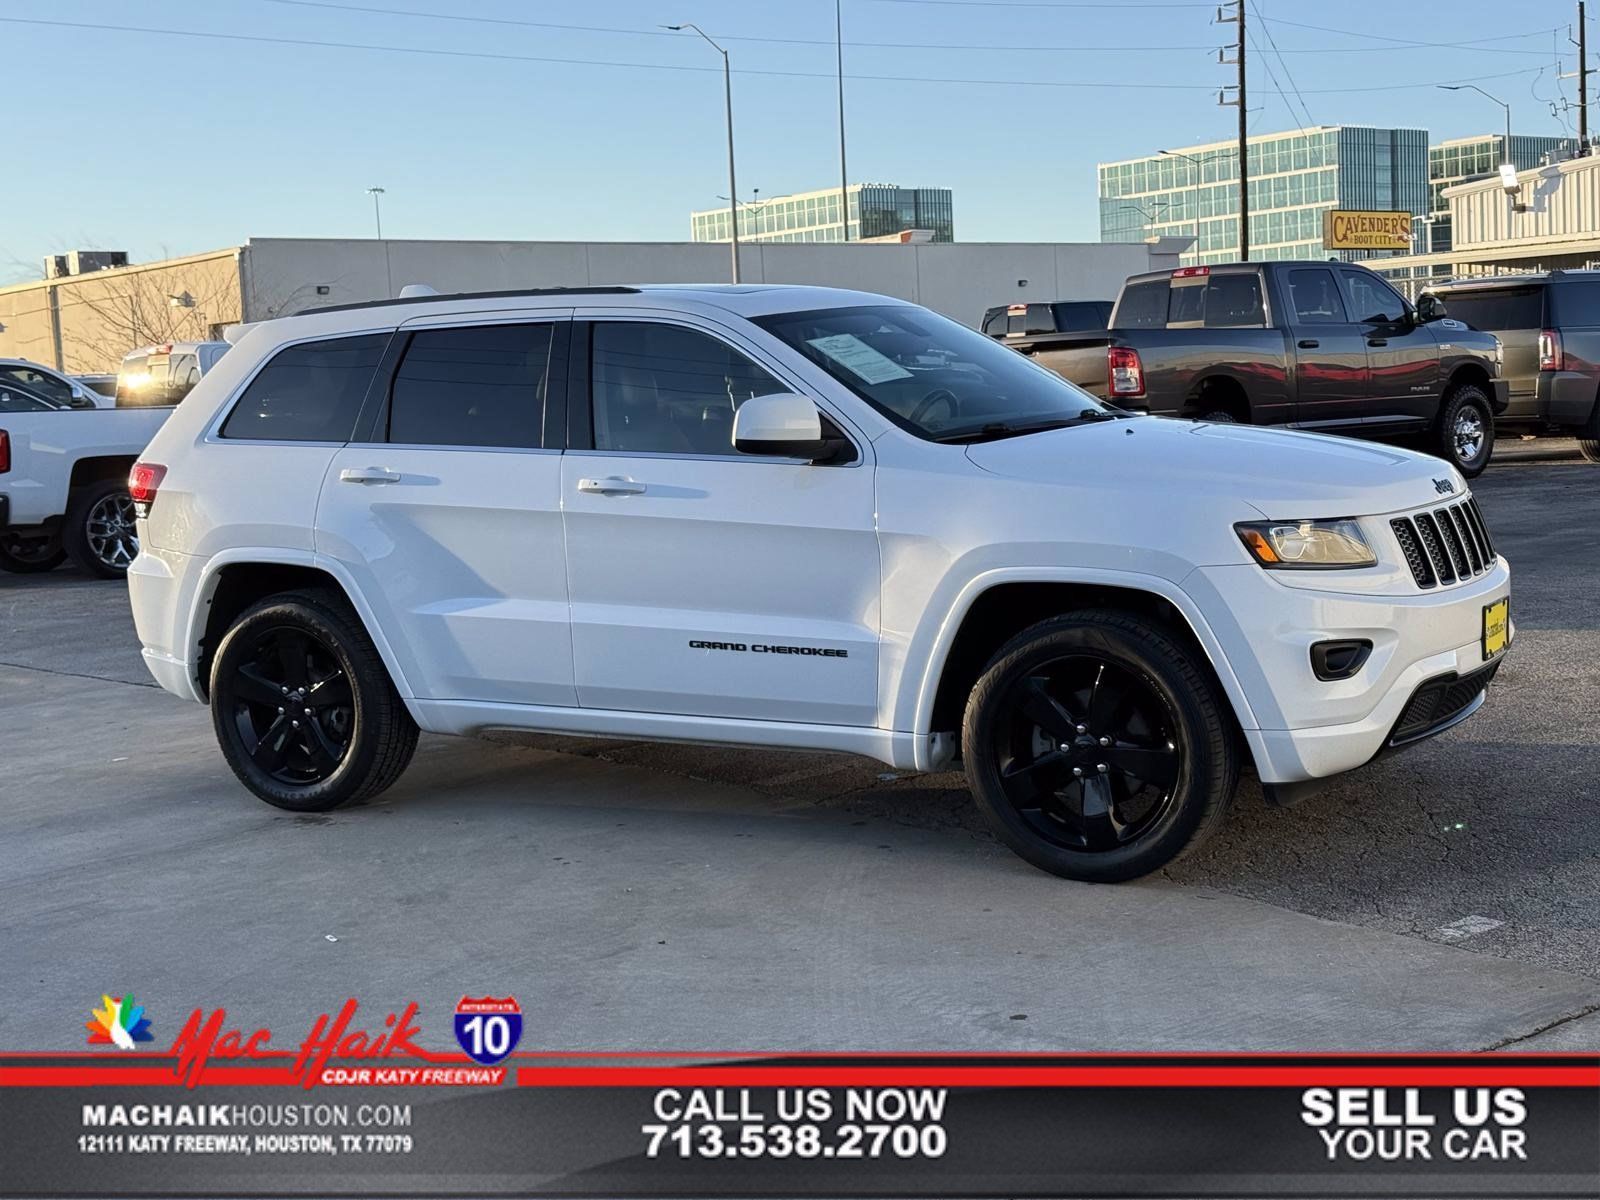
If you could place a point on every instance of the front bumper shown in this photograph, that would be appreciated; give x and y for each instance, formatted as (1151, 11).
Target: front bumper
(1308, 729)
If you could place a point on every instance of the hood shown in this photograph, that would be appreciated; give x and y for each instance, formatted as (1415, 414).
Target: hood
(1282, 473)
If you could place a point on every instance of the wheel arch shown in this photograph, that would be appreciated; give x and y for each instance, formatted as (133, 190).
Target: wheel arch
(1468, 371)
(1218, 389)
(237, 578)
(99, 468)
(998, 605)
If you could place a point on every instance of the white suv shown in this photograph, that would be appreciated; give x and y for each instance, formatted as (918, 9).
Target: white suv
(792, 517)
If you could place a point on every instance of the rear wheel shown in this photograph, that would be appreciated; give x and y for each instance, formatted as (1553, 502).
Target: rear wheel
(1097, 747)
(1464, 435)
(30, 555)
(303, 707)
(100, 533)
(1590, 449)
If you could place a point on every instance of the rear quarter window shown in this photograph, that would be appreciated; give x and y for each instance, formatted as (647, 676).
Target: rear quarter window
(1575, 304)
(1508, 309)
(308, 393)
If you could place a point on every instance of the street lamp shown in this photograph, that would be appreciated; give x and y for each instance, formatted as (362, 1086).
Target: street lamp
(727, 91)
(377, 216)
(1509, 170)
(1198, 163)
(1456, 87)
(1149, 217)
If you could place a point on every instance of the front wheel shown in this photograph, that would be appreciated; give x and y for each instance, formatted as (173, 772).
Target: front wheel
(303, 707)
(1464, 435)
(1097, 747)
(30, 555)
(1590, 449)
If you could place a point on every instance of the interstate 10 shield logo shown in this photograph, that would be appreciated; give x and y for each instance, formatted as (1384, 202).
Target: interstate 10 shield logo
(488, 1029)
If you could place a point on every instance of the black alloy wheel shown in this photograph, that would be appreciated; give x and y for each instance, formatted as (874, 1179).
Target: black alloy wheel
(292, 706)
(1088, 752)
(303, 706)
(1099, 746)
(30, 555)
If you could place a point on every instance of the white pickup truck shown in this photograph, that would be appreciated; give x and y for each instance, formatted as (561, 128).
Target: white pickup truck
(64, 486)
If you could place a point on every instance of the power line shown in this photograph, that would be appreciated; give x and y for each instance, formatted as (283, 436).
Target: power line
(1470, 44)
(641, 66)
(1271, 41)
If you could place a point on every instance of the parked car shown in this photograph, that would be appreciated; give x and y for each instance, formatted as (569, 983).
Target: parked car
(1327, 347)
(1020, 324)
(792, 517)
(64, 483)
(1549, 324)
(162, 375)
(58, 390)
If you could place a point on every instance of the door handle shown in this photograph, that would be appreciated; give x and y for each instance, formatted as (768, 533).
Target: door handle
(368, 475)
(1377, 341)
(611, 485)
(1308, 343)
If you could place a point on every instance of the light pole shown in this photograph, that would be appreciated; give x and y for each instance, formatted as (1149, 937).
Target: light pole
(1511, 199)
(1198, 163)
(377, 216)
(727, 91)
(844, 176)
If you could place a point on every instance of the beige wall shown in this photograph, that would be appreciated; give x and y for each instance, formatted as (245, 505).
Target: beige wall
(958, 279)
(86, 323)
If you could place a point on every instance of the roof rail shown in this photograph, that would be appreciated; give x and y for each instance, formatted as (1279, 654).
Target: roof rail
(511, 294)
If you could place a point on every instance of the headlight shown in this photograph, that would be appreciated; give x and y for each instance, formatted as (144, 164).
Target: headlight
(1306, 545)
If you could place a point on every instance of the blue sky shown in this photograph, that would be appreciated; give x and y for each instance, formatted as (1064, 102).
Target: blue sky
(171, 144)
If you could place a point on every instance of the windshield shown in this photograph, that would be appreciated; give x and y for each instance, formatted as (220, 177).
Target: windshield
(931, 376)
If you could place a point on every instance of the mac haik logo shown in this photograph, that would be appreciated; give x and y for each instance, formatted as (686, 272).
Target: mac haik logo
(120, 1023)
(488, 1029)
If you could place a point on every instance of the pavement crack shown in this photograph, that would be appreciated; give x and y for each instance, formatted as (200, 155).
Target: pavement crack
(76, 674)
(1503, 1043)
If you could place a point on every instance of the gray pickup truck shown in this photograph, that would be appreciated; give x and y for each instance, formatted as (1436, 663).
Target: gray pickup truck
(1323, 346)
(1549, 326)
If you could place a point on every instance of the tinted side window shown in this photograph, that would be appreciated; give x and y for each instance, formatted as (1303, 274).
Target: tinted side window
(994, 322)
(308, 393)
(37, 382)
(665, 389)
(1233, 301)
(1075, 316)
(1371, 299)
(1039, 319)
(1575, 304)
(1514, 308)
(1142, 306)
(1315, 297)
(478, 386)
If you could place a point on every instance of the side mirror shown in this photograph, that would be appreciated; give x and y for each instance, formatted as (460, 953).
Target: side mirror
(783, 426)
(1429, 308)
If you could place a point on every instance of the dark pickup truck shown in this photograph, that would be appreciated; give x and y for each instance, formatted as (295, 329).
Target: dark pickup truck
(1549, 329)
(1323, 346)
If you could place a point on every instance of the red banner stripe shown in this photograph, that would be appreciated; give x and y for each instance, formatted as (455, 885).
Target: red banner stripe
(141, 1076)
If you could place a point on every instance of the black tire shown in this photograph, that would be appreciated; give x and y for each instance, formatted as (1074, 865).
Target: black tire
(99, 533)
(1464, 435)
(30, 555)
(351, 745)
(1162, 714)
(1219, 417)
(1590, 449)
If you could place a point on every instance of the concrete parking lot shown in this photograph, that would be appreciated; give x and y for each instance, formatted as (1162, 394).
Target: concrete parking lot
(637, 896)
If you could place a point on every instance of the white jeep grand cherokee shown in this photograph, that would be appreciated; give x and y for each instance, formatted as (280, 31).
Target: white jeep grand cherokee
(792, 517)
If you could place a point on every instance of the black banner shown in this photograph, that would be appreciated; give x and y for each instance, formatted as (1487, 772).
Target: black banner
(423, 1124)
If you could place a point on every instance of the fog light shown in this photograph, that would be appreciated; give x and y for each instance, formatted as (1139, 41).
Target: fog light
(1340, 659)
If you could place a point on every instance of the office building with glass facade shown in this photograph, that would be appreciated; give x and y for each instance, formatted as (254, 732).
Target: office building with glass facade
(875, 210)
(1295, 177)
(1463, 160)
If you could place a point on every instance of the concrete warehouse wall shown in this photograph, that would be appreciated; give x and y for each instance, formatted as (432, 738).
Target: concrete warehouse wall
(957, 279)
(86, 323)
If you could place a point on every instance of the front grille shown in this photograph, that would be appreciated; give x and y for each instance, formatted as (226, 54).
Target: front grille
(1445, 545)
(1436, 703)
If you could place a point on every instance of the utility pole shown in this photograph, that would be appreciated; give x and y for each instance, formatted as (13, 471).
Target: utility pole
(1583, 82)
(844, 176)
(1244, 123)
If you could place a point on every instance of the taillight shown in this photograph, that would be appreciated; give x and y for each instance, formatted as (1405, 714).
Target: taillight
(143, 482)
(1550, 356)
(1191, 272)
(1125, 373)
(5, 452)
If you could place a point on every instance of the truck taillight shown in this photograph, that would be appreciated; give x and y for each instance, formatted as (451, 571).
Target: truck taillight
(1191, 272)
(5, 452)
(1125, 373)
(1550, 356)
(143, 483)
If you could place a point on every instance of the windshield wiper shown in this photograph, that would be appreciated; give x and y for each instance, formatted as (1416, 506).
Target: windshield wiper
(1001, 429)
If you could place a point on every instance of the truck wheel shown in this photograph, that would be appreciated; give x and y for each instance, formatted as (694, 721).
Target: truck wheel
(303, 707)
(1590, 449)
(1465, 432)
(1097, 747)
(99, 533)
(30, 555)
